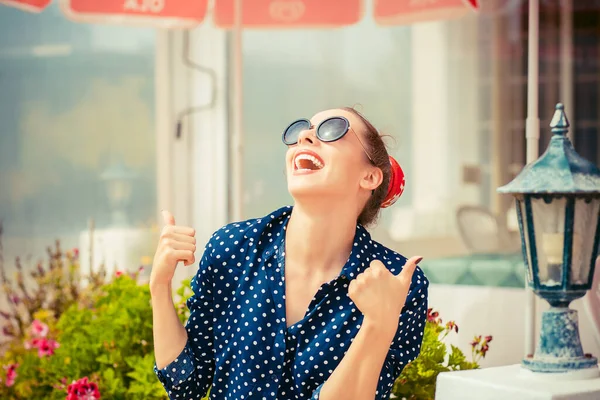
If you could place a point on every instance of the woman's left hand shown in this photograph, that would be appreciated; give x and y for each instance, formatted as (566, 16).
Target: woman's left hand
(380, 295)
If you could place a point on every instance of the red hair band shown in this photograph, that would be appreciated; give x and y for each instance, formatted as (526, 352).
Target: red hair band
(396, 186)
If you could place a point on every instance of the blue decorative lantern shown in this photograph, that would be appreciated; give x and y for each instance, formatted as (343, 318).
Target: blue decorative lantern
(558, 208)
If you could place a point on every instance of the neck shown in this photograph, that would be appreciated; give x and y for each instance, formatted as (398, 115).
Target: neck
(320, 239)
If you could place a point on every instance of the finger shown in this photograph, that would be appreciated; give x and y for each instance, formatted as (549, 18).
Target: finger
(177, 245)
(179, 237)
(191, 261)
(377, 269)
(376, 265)
(184, 230)
(168, 217)
(186, 256)
(409, 268)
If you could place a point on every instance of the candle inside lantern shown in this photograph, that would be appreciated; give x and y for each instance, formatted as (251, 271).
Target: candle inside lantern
(553, 248)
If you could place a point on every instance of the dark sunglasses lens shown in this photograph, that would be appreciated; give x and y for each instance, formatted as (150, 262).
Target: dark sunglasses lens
(332, 129)
(291, 134)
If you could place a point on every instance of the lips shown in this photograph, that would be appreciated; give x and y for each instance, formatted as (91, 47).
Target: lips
(307, 161)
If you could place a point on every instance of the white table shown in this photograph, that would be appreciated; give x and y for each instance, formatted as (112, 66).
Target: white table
(509, 383)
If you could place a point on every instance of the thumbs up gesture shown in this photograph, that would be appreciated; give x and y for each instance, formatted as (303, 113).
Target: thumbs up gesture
(176, 243)
(380, 295)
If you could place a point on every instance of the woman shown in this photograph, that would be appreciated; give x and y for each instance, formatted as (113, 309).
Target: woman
(300, 304)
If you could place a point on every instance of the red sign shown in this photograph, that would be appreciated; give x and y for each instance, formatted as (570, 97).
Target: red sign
(27, 5)
(156, 13)
(290, 13)
(398, 12)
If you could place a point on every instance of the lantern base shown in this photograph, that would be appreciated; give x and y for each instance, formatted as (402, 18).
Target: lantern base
(563, 369)
(559, 349)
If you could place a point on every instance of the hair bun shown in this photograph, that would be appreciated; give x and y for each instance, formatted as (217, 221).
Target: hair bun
(396, 186)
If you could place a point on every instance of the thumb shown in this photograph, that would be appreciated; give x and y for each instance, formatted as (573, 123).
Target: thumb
(168, 218)
(408, 269)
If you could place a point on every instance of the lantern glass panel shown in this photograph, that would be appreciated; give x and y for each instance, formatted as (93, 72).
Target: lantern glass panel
(584, 232)
(549, 223)
(522, 215)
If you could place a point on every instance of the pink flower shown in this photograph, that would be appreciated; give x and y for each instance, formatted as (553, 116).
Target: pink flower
(451, 326)
(118, 273)
(30, 344)
(45, 346)
(475, 342)
(11, 374)
(83, 390)
(76, 252)
(433, 316)
(38, 329)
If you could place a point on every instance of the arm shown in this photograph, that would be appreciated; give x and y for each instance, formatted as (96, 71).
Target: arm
(184, 359)
(170, 337)
(186, 364)
(376, 358)
(357, 374)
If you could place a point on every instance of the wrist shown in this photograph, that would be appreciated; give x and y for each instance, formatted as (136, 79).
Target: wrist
(160, 288)
(379, 330)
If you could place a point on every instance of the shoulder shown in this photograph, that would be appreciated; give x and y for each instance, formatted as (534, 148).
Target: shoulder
(234, 236)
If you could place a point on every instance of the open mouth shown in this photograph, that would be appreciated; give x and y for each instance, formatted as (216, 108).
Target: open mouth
(308, 161)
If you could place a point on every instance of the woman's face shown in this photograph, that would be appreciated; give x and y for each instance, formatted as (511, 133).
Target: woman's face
(317, 170)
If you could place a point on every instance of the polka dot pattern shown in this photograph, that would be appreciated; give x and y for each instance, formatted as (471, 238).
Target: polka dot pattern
(239, 344)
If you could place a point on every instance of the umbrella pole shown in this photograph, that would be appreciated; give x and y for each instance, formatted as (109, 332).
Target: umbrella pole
(566, 62)
(237, 160)
(532, 134)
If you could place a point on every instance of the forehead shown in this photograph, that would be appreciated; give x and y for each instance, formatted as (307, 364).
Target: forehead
(355, 122)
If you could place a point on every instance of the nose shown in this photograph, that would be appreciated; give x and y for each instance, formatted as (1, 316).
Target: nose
(307, 136)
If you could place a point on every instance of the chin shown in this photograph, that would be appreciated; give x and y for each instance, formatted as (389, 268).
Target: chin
(303, 189)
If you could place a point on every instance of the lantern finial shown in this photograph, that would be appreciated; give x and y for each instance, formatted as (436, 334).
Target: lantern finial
(560, 123)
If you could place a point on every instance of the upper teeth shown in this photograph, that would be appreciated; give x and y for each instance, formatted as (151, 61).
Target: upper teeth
(304, 156)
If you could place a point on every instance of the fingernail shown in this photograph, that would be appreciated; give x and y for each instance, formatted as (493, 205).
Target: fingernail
(418, 260)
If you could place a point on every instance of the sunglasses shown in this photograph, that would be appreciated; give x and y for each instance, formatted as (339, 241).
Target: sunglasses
(329, 130)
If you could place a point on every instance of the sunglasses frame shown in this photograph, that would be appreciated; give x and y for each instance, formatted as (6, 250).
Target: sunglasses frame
(311, 126)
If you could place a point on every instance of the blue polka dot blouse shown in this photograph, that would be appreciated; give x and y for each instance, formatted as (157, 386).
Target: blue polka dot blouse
(239, 344)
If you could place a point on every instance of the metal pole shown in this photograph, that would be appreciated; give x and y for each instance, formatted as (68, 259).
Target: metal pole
(566, 62)
(532, 134)
(237, 160)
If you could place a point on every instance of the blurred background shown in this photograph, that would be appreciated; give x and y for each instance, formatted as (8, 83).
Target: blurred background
(90, 151)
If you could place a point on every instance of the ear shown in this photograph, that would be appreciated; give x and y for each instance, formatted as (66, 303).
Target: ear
(372, 179)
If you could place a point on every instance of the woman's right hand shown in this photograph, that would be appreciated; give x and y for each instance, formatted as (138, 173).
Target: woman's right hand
(176, 243)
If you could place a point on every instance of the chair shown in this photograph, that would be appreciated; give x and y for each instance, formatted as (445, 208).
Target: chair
(482, 233)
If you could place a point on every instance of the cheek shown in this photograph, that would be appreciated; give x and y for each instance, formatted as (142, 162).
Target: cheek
(347, 166)
(288, 157)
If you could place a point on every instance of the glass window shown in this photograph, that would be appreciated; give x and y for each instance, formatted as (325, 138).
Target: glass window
(77, 140)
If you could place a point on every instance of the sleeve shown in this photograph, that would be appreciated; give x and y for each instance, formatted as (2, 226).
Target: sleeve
(190, 375)
(407, 343)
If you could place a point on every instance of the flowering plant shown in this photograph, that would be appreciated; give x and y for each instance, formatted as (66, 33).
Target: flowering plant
(72, 341)
(417, 380)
